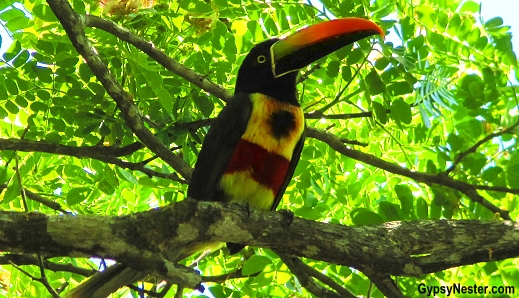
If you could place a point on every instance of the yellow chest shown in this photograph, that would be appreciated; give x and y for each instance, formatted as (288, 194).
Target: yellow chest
(274, 125)
(261, 160)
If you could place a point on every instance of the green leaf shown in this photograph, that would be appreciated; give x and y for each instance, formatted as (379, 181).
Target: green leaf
(436, 210)
(44, 12)
(77, 195)
(388, 210)
(11, 107)
(512, 170)
(165, 99)
(380, 112)
(408, 27)
(431, 167)
(128, 176)
(511, 276)
(489, 78)
(18, 24)
(21, 59)
(204, 104)
(333, 69)
(3, 113)
(255, 264)
(346, 73)
(469, 6)
(492, 174)
(21, 101)
(473, 36)
(471, 128)
(12, 51)
(13, 190)
(399, 88)
(416, 43)
(406, 198)
(11, 14)
(448, 211)
(476, 88)
(308, 213)
(494, 22)
(454, 24)
(43, 94)
(374, 83)
(84, 72)
(366, 218)
(455, 142)
(442, 21)
(217, 291)
(382, 63)
(38, 106)
(105, 187)
(426, 14)
(401, 111)
(53, 137)
(354, 56)
(271, 26)
(104, 129)
(465, 29)
(195, 6)
(422, 209)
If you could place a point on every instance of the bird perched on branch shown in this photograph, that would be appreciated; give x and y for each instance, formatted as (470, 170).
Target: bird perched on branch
(251, 151)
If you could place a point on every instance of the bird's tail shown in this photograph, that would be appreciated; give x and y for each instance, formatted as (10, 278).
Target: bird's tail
(106, 282)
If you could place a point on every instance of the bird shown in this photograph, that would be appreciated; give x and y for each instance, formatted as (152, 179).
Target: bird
(251, 150)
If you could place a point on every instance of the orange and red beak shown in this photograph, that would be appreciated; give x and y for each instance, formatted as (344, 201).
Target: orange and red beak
(316, 41)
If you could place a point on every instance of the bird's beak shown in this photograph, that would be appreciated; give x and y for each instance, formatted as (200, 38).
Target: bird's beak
(314, 42)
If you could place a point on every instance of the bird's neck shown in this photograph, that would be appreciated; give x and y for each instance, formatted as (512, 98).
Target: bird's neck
(284, 94)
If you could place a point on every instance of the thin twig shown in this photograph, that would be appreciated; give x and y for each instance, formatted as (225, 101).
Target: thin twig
(305, 274)
(42, 280)
(474, 147)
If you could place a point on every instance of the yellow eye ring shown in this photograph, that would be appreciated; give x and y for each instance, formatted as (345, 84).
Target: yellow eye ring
(262, 59)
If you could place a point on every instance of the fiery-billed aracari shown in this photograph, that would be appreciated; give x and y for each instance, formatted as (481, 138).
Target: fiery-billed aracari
(251, 151)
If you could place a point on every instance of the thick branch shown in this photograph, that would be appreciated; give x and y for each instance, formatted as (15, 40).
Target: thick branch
(144, 240)
(74, 28)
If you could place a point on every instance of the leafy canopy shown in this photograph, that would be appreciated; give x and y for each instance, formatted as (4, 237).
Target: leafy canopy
(434, 98)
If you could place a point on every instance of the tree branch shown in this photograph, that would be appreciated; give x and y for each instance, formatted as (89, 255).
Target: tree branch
(147, 47)
(305, 275)
(146, 241)
(37, 198)
(427, 178)
(31, 260)
(474, 147)
(104, 154)
(43, 280)
(74, 27)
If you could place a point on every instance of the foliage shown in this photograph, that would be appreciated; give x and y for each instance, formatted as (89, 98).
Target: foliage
(423, 100)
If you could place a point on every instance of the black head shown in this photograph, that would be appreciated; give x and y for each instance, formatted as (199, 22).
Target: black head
(271, 67)
(256, 76)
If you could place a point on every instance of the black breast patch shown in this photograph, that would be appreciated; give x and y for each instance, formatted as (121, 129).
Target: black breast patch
(282, 123)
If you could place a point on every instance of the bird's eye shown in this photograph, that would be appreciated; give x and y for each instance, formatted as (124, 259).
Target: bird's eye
(262, 59)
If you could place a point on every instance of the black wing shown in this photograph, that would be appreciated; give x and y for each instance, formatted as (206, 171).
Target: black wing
(291, 168)
(218, 146)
